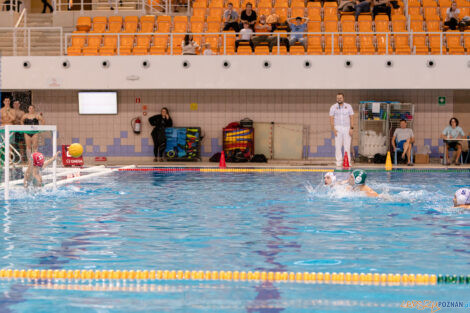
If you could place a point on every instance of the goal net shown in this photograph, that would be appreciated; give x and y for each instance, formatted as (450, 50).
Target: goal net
(11, 156)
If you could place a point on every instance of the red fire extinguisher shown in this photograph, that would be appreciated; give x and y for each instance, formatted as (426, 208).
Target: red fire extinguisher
(136, 125)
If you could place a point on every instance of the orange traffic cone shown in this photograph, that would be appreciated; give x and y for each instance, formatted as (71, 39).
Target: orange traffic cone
(222, 160)
(345, 160)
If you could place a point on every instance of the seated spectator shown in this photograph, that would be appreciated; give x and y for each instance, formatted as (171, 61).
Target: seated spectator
(231, 18)
(273, 20)
(245, 36)
(453, 131)
(262, 27)
(403, 139)
(188, 46)
(346, 6)
(298, 27)
(362, 6)
(249, 16)
(452, 17)
(382, 6)
(207, 49)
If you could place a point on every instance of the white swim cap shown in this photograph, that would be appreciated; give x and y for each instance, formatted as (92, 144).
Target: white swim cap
(463, 196)
(332, 176)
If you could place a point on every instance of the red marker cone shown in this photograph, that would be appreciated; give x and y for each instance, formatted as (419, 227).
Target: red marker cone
(222, 160)
(345, 160)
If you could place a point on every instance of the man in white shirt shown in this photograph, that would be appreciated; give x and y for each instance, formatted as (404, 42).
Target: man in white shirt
(341, 120)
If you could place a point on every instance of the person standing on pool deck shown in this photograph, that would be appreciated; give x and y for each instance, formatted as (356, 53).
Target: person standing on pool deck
(341, 121)
(160, 122)
(31, 138)
(462, 198)
(357, 180)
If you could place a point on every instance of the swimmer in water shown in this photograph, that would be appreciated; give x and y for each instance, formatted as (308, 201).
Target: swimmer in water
(462, 198)
(329, 179)
(36, 163)
(357, 180)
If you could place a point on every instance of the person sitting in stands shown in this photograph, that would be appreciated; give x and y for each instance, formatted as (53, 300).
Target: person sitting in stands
(298, 27)
(452, 17)
(189, 46)
(231, 18)
(403, 138)
(245, 36)
(382, 6)
(346, 6)
(249, 16)
(273, 20)
(462, 198)
(263, 27)
(362, 6)
(453, 131)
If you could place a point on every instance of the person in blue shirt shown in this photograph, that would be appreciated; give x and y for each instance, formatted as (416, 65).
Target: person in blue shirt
(453, 131)
(298, 27)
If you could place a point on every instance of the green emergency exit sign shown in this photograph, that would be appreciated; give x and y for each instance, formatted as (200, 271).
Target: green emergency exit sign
(442, 101)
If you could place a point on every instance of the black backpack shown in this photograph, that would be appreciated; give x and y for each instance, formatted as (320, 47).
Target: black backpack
(259, 158)
(215, 157)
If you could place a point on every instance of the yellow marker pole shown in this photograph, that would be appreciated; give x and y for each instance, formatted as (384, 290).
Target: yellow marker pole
(388, 162)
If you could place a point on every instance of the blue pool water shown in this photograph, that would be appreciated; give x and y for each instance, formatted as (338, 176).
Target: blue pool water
(235, 221)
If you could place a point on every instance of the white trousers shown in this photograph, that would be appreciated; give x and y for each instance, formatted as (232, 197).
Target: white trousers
(342, 139)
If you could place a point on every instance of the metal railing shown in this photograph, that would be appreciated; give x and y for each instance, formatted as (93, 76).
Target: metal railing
(11, 6)
(330, 41)
(114, 5)
(40, 44)
(168, 6)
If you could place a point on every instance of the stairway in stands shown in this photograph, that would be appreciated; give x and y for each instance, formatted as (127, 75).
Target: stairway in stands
(44, 42)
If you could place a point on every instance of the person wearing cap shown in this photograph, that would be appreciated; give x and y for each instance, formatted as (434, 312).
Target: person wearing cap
(357, 180)
(329, 179)
(36, 163)
(462, 198)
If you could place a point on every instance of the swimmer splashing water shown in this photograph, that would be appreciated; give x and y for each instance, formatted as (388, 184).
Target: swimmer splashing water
(357, 180)
(462, 198)
(36, 163)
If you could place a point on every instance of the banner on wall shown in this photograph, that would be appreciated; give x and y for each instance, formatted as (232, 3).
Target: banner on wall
(68, 160)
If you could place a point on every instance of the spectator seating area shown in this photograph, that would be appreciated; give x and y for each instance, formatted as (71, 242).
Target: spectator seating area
(98, 36)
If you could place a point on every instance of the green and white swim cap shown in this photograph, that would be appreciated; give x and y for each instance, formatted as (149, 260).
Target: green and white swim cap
(359, 177)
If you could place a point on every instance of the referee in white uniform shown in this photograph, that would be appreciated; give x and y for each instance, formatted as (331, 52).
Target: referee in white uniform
(341, 120)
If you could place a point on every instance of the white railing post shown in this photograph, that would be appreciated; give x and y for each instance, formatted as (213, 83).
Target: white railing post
(386, 43)
(225, 43)
(278, 39)
(29, 41)
(60, 41)
(332, 43)
(116, 9)
(81, 7)
(440, 46)
(119, 44)
(171, 43)
(14, 42)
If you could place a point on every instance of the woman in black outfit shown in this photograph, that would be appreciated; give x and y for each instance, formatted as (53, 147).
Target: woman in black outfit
(31, 138)
(160, 122)
(249, 16)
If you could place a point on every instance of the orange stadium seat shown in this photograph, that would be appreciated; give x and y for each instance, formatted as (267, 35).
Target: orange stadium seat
(382, 23)
(217, 4)
(331, 26)
(99, 24)
(297, 50)
(433, 26)
(402, 45)
(431, 13)
(83, 23)
(130, 24)
(299, 11)
(398, 23)
(230, 37)
(115, 24)
(365, 23)
(163, 23)
(282, 50)
(349, 44)
(143, 42)
(416, 26)
(314, 27)
(454, 44)
(78, 42)
(348, 23)
(314, 12)
(213, 41)
(435, 44)
(213, 24)
(329, 48)
(216, 12)
(157, 50)
(382, 44)
(199, 9)
(147, 23)
(90, 51)
(419, 44)
(197, 24)
(244, 50)
(126, 43)
(314, 44)
(366, 44)
(283, 13)
(180, 24)
(94, 40)
(466, 40)
(261, 50)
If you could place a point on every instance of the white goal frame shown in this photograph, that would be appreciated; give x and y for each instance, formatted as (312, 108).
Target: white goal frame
(12, 128)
